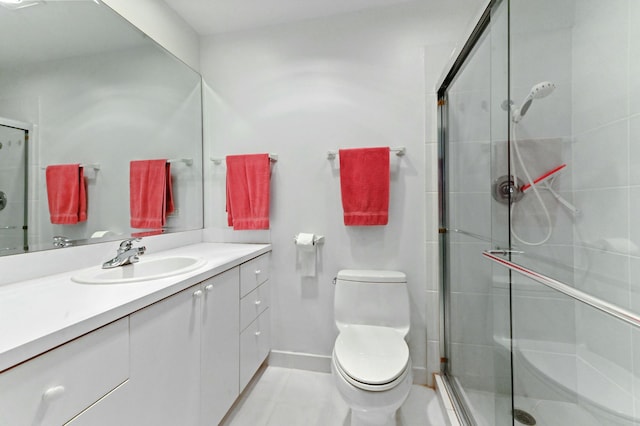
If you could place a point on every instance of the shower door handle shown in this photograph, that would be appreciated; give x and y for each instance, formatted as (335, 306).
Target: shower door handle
(588, 299)
(503, 252)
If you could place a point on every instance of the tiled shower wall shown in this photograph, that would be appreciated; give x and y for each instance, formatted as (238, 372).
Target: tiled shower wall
(605, 119)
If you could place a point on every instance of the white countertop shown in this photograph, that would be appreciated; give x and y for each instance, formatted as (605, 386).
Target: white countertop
(38, 315)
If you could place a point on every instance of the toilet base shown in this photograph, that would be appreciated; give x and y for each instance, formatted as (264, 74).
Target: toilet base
(373, 418)
(369, 408)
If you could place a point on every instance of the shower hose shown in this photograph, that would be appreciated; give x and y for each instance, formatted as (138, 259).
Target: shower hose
(535, 191)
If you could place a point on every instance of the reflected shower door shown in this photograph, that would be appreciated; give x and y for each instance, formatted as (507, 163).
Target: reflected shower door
(13, 186)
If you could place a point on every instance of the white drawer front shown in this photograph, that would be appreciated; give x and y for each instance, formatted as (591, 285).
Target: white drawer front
(55, 386)
(253, 273)
(255, 344)
(112, 409)
(254, 303)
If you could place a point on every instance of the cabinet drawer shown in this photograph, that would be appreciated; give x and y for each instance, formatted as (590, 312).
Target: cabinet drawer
(111, 409)
(254, 303)
(255, 343)
(54, 387)
(253, 273)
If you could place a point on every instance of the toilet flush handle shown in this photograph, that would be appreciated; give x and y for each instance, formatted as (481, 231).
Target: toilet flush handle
(335, 279)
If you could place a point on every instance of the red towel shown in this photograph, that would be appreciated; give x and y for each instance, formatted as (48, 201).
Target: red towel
(150, 193)
(364, 182)
(248, 191)
(66, 193)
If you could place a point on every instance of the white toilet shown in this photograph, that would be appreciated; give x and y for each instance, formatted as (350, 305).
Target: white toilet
(370, 363)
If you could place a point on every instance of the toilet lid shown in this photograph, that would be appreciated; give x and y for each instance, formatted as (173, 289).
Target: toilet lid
(371, 355)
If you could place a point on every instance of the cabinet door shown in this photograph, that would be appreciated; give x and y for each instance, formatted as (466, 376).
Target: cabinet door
(165, 361)
(220, 345)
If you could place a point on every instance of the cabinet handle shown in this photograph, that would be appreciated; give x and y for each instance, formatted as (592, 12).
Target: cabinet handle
(197, 294)
(209, 287)
(52, 393)
(258, 271)
(257, 302)
(258, 333)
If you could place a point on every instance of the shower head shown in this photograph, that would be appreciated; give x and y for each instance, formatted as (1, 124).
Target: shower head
(538, 91)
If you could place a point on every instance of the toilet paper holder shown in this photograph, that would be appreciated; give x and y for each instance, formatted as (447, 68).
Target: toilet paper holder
(317, 239)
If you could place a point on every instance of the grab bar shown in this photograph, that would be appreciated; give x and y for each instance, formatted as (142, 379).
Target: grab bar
(599, 304)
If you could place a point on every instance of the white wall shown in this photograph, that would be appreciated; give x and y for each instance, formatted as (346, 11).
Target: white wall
(162, 24)
(303, 88)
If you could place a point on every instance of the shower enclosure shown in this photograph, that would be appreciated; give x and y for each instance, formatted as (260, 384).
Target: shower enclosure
(539, 128)
(13, 185)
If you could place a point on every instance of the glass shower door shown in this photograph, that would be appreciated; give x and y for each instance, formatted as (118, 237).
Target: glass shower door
(576, 316)
(540, 282)
(13, 185)
(477, 293)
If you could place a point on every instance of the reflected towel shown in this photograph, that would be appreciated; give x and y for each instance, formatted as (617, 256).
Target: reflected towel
(150, 193)
(364, 184)
(66, 194)
(248, 195)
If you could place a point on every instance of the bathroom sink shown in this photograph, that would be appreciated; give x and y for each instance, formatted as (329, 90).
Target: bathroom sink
(144, 270)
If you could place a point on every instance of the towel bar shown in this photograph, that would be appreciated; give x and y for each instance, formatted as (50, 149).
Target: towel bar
(217, 161)
(94, 166)
(400, 151)
(187, 161)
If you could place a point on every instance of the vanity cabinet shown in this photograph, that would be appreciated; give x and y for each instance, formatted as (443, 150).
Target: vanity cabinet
(185, 354)
(182, 360)
(194, 352)
(55, 387)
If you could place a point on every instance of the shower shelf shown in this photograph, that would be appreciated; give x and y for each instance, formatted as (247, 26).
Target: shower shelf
(599, 304)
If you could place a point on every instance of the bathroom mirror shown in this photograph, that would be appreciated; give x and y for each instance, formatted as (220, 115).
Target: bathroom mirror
(80, 84)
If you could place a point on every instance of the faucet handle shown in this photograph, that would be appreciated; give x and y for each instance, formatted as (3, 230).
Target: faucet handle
(128, 243)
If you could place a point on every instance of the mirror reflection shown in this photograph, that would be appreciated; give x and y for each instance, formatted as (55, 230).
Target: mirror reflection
(79, 85)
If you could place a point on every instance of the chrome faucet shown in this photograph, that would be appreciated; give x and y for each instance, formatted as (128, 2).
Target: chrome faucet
(61, 241)
(127, 254)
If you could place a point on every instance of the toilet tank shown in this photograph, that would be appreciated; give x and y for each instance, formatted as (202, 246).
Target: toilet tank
(370, 297)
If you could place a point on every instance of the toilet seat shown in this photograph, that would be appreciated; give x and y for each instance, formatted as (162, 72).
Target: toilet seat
(371, 357)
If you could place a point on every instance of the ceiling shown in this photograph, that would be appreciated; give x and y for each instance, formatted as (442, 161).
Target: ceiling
(219, 16)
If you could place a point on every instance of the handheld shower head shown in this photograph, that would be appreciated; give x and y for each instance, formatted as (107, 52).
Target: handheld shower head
(538, 91)
(542, 90)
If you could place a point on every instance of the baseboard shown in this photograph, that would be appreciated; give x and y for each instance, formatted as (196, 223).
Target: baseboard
(420, 376)
(446, 403)
(322, 364)
(300, 361)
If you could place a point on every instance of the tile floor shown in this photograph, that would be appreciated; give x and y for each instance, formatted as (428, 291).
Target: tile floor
(287, 397)
(546, 412)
